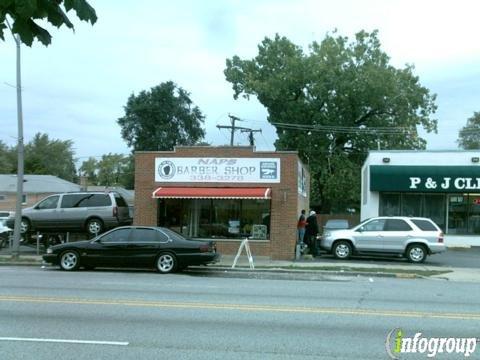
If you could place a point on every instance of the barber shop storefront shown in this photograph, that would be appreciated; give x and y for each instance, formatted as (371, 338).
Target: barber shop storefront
(441, 185)
(224, 194)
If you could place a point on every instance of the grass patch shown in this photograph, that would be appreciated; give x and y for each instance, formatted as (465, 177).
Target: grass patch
(361, 270)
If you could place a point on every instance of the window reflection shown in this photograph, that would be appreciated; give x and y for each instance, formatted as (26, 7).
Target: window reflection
(415, 204)
(216, 218)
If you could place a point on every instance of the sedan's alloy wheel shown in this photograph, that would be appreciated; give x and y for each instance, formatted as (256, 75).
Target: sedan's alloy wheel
(69, 260)
(166, 263)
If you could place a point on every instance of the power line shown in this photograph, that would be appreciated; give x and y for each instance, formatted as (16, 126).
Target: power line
(338, 129)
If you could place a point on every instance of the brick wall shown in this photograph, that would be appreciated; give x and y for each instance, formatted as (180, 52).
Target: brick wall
(286, 203)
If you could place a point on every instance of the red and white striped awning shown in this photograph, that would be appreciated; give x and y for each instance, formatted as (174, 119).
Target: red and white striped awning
(211, 193)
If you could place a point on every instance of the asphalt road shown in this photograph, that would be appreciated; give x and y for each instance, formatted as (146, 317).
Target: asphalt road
(47, 313)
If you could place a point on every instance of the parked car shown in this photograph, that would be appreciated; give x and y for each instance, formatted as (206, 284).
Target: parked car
(4, 215)
(134, 246)
(93, 212)
(336, 224)
(411, 237)
(5, 233)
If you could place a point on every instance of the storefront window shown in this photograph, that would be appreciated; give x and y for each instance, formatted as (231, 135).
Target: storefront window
(412, 204)
(464, 214)
(389, 204)
(474, 214)
(434, 208)
(431, 206)
(216, 218)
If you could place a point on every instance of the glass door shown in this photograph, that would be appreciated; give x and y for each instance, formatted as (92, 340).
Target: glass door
(474, 214)
(458, 214)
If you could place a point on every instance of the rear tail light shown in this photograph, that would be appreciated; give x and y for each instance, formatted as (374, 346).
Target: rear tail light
(440, 238)
(115, 211)
(204, 248)
(208, 247)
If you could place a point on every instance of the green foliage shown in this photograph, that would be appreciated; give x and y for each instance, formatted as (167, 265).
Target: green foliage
(111, 170)
(333, 104)
(161, 118)
(26, 13)
(7, 159)
(89, 169)
(46, 156)
(469, 135)
(43, 156)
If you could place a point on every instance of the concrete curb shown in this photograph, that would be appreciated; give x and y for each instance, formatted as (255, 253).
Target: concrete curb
(311, 271)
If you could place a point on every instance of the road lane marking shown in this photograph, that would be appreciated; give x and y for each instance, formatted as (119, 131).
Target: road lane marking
(69, 341)
(245, 307)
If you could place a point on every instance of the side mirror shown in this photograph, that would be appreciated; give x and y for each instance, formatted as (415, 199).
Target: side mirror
(360, 229)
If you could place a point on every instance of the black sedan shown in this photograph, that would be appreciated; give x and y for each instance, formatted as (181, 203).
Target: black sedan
(134, 246)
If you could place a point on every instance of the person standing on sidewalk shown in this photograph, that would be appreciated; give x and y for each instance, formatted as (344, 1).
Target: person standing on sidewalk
(302, 222)
(311, 232)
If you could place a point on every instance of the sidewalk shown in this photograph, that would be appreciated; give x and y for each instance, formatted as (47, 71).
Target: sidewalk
(352, 267)
(309, 265)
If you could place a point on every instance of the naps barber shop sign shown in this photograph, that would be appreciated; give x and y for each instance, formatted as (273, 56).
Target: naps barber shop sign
(222, 170)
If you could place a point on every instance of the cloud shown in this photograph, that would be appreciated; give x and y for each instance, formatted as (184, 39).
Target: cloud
(77, 87)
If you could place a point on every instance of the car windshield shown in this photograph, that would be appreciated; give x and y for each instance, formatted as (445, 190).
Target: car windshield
(363, 223)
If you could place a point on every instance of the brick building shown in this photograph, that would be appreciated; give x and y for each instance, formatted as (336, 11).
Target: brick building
(225, 194)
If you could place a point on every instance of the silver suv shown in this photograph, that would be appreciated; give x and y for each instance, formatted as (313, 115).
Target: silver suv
(411, 237)
(93, 212)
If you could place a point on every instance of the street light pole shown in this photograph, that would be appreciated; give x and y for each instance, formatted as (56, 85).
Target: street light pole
(20, 165)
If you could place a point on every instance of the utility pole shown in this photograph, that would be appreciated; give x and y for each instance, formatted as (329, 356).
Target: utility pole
(250, 136)
(20, 169)
(233, 128)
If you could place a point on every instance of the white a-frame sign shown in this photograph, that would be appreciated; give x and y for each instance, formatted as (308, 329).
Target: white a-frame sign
(244, 244)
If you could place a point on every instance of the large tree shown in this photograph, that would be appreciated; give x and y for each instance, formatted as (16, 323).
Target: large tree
(161, 118)
(469, 135)
(333, 104)
(45, 156)
(7, 159)
(26, 13)
(110, 170)
(89, 169)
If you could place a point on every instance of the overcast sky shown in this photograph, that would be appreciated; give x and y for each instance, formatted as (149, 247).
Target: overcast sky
(77, 87)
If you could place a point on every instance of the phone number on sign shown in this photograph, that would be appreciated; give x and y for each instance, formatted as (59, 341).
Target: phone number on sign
(216, 178)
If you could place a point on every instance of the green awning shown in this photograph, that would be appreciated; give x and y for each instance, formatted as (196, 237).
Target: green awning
(425, 178)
